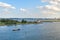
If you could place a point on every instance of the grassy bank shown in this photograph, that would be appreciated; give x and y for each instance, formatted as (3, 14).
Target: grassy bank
(8, 22)
(14, 22)
(51, 21)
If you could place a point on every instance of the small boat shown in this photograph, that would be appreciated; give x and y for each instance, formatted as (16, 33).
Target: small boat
(15, 29)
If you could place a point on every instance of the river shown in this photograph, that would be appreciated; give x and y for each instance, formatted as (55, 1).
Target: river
(42, 31)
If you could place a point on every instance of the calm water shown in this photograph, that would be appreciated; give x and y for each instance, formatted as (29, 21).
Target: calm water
(44, 31)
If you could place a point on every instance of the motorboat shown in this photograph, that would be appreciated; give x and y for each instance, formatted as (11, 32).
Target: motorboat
(15, 29)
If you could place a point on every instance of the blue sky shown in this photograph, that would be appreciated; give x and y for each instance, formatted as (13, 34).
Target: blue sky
(28, 9)
(22, 3)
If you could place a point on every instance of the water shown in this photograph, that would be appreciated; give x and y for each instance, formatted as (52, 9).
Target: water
(44, 31)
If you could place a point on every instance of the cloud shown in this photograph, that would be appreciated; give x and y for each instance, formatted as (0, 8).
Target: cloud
(23, 10)
(6, 8)
(52, 8)
(5, 5)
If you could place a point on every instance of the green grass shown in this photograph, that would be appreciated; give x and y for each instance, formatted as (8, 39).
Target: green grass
(15, 22)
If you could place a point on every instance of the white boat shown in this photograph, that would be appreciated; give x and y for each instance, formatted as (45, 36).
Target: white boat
(15, 29)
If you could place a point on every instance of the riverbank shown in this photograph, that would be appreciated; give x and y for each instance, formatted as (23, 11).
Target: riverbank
(16, 22)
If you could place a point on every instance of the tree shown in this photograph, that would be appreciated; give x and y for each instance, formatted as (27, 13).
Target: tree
(24, 21)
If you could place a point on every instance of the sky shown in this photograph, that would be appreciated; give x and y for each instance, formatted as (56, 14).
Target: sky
(29, 8)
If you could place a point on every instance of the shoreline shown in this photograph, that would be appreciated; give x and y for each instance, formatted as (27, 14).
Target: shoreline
(4, 22)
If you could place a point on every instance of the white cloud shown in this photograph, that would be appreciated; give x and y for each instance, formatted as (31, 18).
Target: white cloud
(5, 5)
(53, 2)
(39, 7)
(23, 10)
(52, 8)
(6, 8)
(50, 0)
